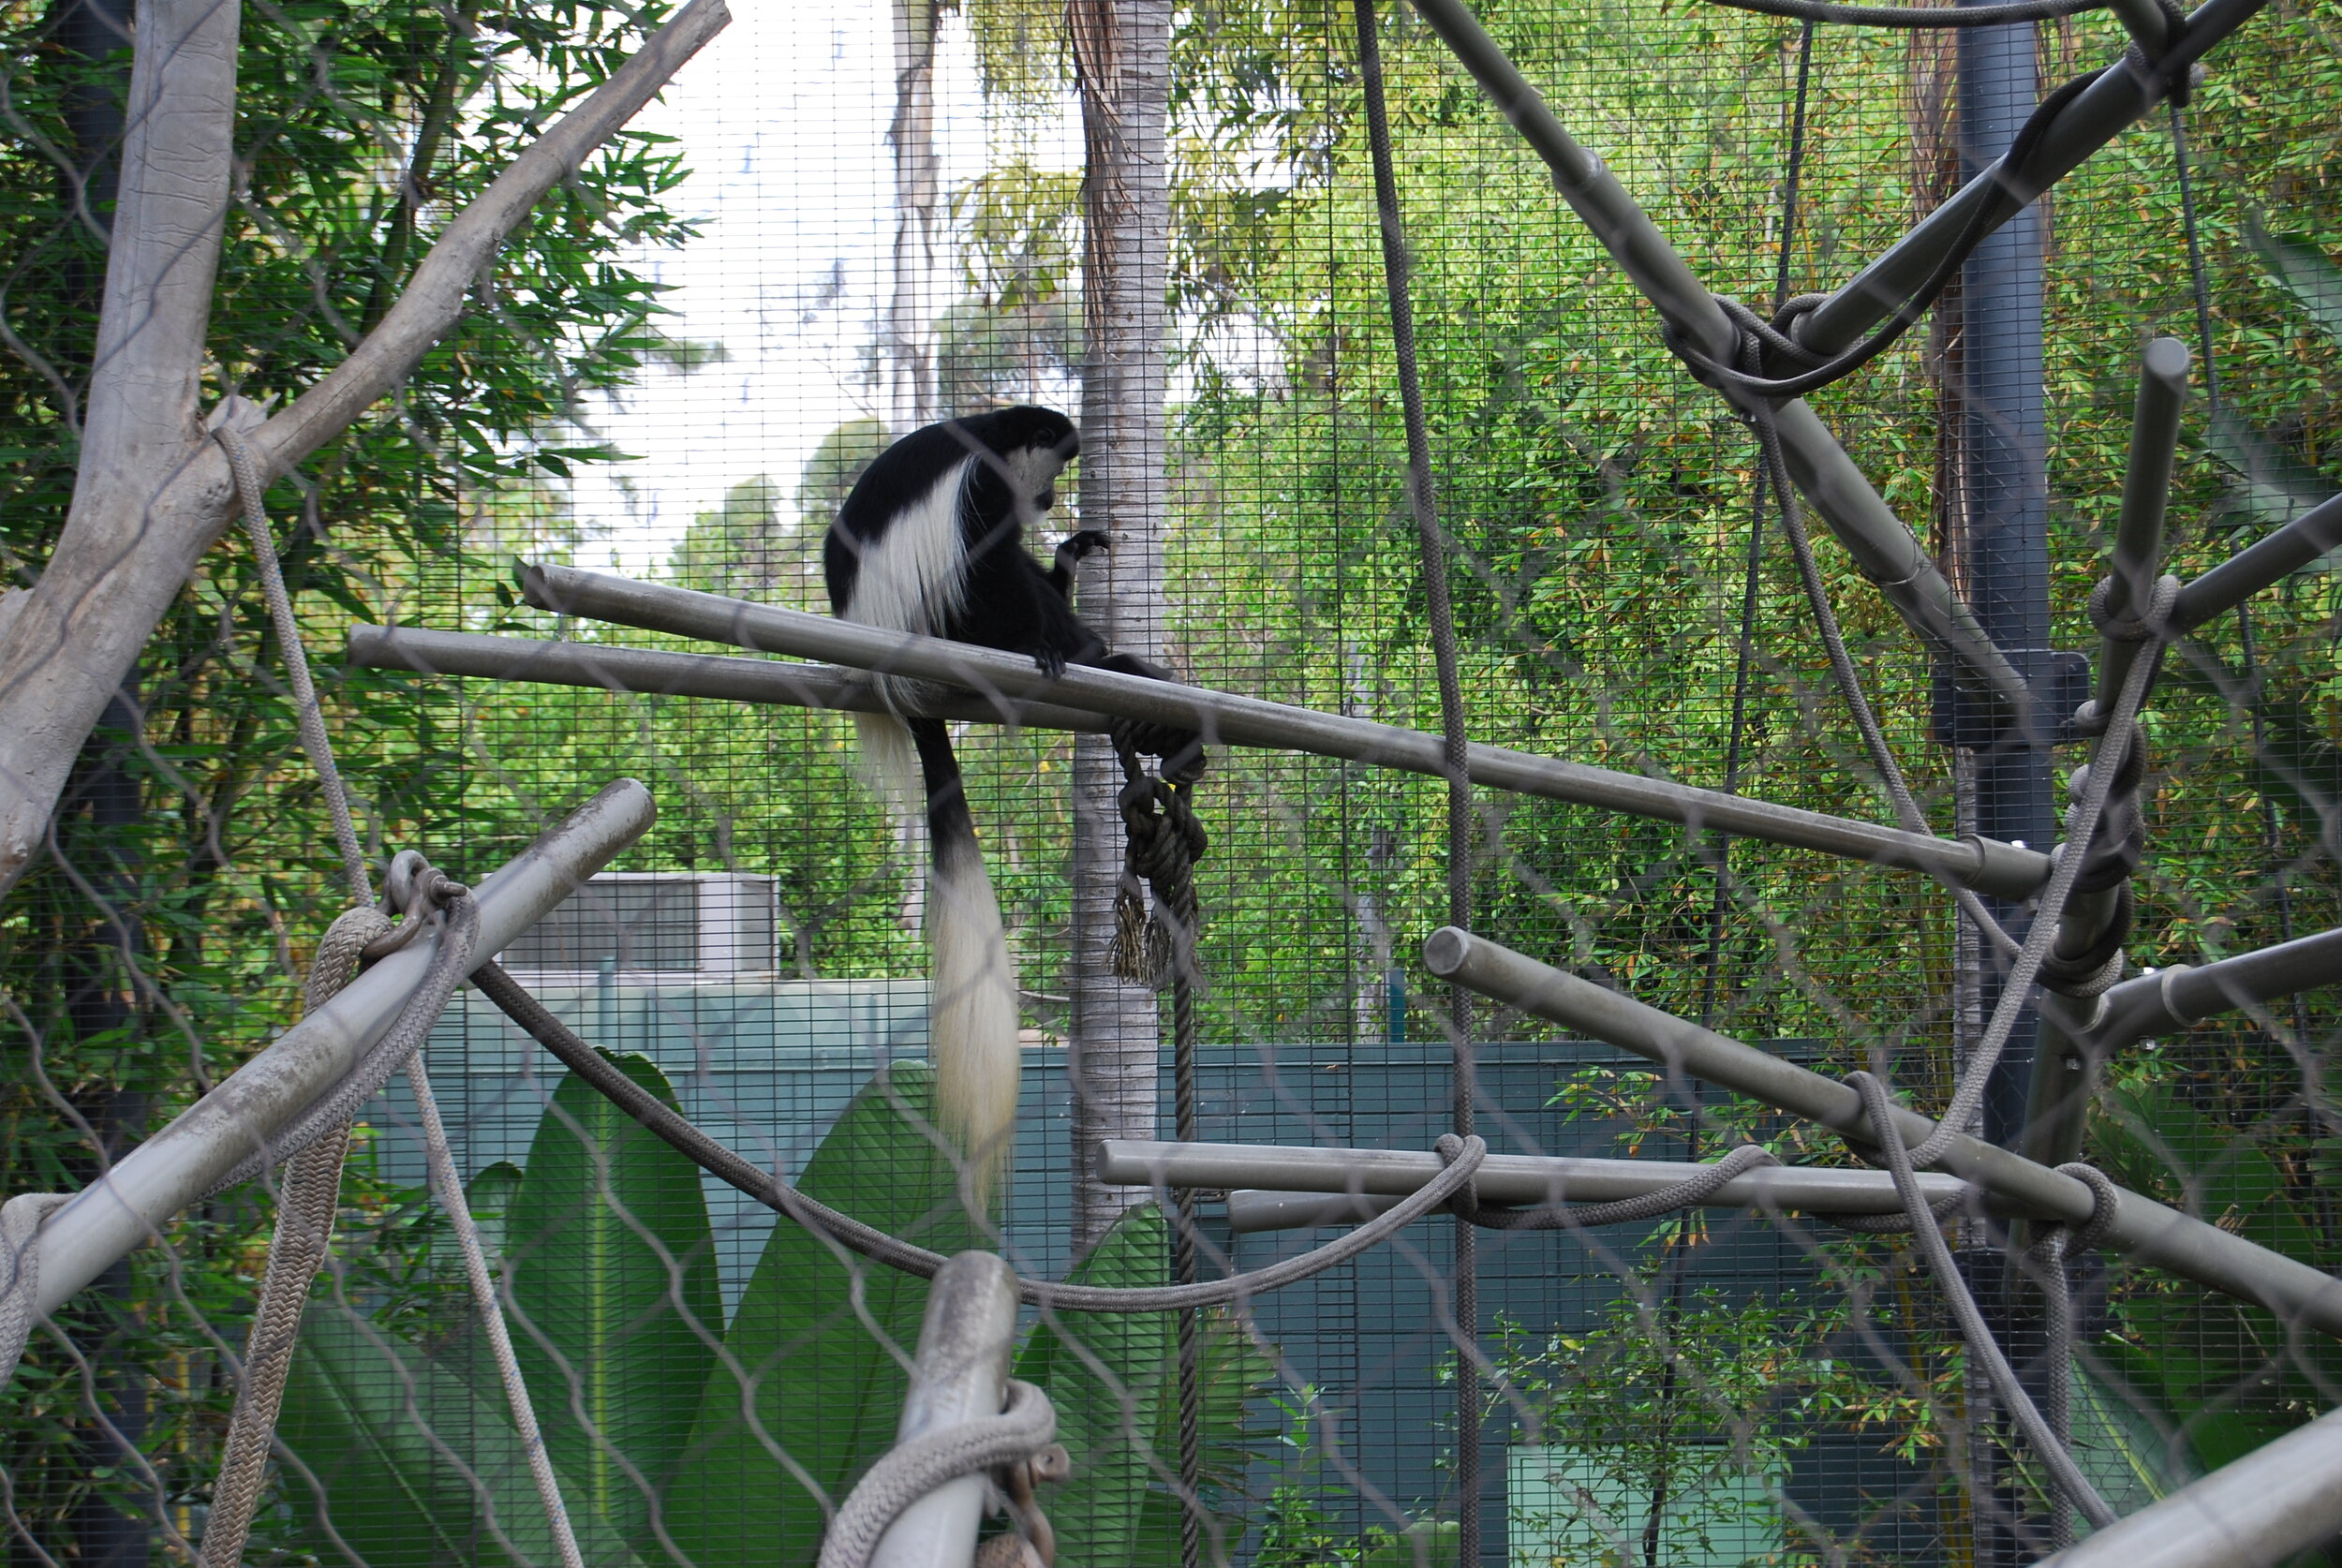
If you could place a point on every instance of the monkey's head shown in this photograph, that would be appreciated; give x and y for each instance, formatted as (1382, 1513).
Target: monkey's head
(1031, 445)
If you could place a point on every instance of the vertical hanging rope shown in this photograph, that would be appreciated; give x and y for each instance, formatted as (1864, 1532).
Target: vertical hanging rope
(1423, 504)
(1162, 843)
(310, 1192)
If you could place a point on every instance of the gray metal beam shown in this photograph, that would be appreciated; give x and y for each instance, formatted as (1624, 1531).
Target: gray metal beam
(1366, 1173)
(961, 1375)
(2260, 564)
(124, 1209)
(1882, 546)
(2281, 1498)
(2146, 496)
(2142, 1229)
(1224, 719)
(2102, 112)
(2172, 1000)
(652, 673)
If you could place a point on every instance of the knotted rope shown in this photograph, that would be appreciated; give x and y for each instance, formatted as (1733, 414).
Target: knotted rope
(316, 1145)
(910, 1471)
(1162, 845)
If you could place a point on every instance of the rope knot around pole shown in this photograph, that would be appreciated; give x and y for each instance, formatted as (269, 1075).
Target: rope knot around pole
(910, 1471)
(1162, 843)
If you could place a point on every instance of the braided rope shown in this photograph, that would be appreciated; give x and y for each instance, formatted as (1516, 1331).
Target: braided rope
(910, 1471)
(20, 1237)
(2047, 1445)
(1690, 1191)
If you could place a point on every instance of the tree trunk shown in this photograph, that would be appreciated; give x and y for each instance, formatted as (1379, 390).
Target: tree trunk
(154, 492)
(909, 349)
(1122, 49)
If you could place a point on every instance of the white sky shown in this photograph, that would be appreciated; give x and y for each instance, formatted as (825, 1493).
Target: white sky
(782, 120)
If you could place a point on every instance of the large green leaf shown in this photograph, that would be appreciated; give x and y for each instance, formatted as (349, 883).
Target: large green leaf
(2302, 270)
(616, 1294)
(811, 1382)
(362, 1411)
(1107, 1374)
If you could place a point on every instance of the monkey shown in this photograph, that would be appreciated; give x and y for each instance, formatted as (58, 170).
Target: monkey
(931, 541)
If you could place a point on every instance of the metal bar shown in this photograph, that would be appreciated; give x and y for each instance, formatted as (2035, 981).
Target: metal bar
(1224, 719)
(2256, 566)
(2147, 496)
(2255, 1512)
(124, 1209)
(962, 1374)
(1882, 546)
(2174, 998)
(1294, 1170)
(653, 672)
(2141, 1228)
(2101, 113)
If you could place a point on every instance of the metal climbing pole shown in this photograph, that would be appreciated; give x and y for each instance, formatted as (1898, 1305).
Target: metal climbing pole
(2002, 541)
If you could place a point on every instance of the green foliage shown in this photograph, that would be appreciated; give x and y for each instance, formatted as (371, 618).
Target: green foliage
(370, 1417)
(811, 1381)
(613, 1271)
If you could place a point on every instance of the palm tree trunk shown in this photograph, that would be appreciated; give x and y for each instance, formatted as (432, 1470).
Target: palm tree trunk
(909, 349)
(1122, 50)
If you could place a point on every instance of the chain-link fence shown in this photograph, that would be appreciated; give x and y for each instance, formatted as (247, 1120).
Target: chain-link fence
(1775, 714)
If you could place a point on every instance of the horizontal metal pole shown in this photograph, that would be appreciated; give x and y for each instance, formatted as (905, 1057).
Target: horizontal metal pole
(1882, 546)
(1224, 719)
(2102, 112)
(2141, 1228)
(652, 673)
(1294, 1170)
(2260, 564)
(2172, 1000)
(2257, 1511)
(127, 1207)
(961, 1375)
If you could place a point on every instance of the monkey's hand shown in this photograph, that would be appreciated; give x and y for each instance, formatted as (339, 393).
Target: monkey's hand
(1080, 546)
(1052, 661)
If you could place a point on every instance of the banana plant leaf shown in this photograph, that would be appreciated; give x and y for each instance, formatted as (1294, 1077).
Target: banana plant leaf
(810, 1382)
(616, 1302)
(396, 1462)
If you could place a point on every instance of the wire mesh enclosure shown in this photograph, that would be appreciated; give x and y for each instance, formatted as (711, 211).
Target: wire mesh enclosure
(1536, 789)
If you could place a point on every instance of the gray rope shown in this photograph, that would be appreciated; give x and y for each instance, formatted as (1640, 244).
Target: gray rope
(673, 1128)
(2050, 1260)
(1439, 610)
(19, 1297)
(307, 1201)
(2055, 1458)
(1688, 1193)
(910, 1471)
(1842, 669)
(2066, 869)
(407, 1033)
(251, 486)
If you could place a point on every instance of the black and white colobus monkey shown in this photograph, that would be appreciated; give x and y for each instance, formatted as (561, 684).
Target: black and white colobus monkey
(931, 541)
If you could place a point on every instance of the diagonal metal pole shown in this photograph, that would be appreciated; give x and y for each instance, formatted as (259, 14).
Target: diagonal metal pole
(1881, 544)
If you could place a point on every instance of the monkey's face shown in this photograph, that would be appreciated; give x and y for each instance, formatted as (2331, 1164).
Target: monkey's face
(1035, 471)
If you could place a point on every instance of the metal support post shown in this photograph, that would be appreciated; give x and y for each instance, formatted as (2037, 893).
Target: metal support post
(1224, 719)
(172, 1169)
(2140, 1228)
(962, 1374)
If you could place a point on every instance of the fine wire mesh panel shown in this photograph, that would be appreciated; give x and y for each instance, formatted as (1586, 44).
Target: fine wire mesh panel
(842, 223)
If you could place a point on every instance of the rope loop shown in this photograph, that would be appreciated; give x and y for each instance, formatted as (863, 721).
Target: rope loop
(2145, 623)
(910, 1471)
(1162, 843)
(1688, 1193)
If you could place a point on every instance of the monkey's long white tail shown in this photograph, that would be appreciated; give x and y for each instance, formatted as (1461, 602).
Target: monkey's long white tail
(972, 1011)
(972, 1015)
